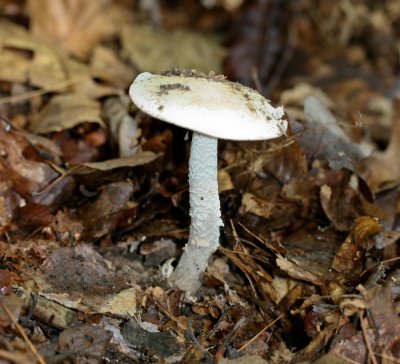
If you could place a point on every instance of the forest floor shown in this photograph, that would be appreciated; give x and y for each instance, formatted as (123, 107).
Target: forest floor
(94, 205)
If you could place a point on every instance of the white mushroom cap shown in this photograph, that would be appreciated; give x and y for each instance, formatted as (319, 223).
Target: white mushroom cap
(208, 104)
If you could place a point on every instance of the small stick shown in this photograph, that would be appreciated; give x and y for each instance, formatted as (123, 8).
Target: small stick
(367, 342)
(263, 330)
(23, 334)
(28, 95)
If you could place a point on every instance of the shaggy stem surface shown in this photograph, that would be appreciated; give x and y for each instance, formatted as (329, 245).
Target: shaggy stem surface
(205, 214)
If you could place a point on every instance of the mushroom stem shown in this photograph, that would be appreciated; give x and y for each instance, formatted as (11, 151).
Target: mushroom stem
(205, 213)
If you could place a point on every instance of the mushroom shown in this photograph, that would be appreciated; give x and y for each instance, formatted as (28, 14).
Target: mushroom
(212, 108)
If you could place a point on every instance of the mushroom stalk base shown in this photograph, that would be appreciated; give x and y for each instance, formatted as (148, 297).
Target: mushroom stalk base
(205, 214)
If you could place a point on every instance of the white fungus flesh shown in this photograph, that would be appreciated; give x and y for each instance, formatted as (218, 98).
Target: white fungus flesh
(212, 108)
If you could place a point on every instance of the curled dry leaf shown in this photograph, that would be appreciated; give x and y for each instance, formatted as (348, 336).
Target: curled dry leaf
(124, 129)
(343, 198)
(350, 257)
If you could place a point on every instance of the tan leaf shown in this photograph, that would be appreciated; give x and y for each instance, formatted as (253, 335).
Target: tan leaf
(154, 50)
(66, 111)
(75, 25)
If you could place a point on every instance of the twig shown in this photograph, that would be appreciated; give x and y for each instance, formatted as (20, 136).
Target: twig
(165, 311)
(28, 95)
(191, 335)
(243, 321)
(262, 331)
(367, 342)
(23, 334)
(376, 264)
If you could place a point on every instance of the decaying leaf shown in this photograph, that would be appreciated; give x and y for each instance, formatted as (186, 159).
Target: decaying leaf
(87, 343)
(153, 344)
(79, 278)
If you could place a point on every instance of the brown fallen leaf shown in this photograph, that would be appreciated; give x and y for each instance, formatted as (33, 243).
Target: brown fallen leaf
(155, 344)
(343, 199)
(33, 215)
(65, 112)
(350, 256)
(326, 140)
(110, 210)
(14, 66)
(124, 129)
(49, 68)
(87, 343)
(106, 65)
(298, 271)
(81, 279)
(134, 161)
(155, 50)
(75, 25)
(382, 170)
(380, 334)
